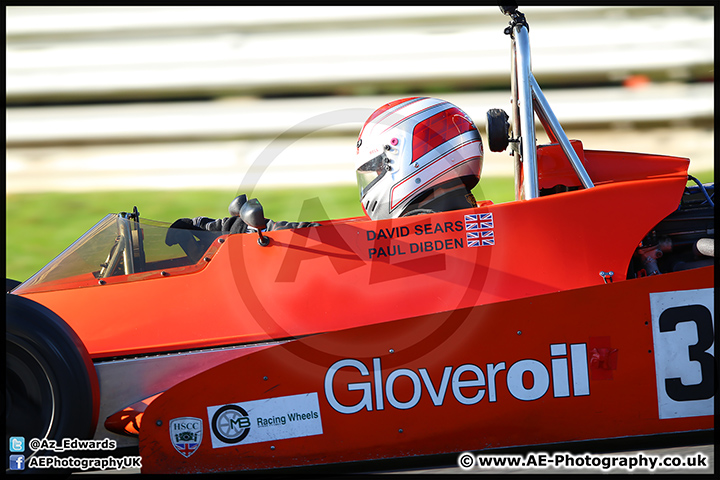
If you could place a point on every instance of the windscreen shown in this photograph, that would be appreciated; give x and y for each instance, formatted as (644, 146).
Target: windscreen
(117, 246)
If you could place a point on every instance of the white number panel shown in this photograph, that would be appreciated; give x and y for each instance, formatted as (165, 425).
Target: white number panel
(683, 326)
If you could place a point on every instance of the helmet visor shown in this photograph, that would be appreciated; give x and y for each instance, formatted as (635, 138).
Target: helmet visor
(371, 172)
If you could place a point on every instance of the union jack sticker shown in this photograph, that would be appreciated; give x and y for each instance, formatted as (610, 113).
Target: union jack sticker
(478, 229)
(473, 239)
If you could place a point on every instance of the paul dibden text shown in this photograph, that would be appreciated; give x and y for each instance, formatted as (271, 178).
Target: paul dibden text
(378, 251)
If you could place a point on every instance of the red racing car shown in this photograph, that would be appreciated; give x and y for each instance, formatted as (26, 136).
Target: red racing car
(582, 310)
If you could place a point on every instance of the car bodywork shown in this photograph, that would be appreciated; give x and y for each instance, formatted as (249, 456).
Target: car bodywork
(528, 322)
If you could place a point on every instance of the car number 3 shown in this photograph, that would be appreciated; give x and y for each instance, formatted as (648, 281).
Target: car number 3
(702, 317)
(683, 339)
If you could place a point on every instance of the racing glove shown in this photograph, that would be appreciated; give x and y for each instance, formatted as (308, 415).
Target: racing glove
(283, 225)
(226, 225)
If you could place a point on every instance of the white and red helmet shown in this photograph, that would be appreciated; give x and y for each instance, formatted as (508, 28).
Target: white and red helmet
(410, 146)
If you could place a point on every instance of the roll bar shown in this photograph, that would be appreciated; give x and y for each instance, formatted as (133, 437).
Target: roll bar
(528, 100)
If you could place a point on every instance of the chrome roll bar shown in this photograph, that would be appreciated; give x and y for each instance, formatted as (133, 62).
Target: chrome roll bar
(528, 100)
(527, 153)
(551, 124)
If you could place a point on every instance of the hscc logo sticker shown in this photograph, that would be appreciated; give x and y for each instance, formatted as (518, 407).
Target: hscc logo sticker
(265, 420)
(683, 326)
(374, 395)
(186, 434)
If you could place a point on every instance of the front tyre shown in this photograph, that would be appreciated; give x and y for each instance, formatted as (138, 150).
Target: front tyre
(10, 284)
(51, 387)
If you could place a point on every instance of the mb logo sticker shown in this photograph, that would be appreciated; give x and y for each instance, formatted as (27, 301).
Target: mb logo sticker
(186, 434)
(264, 420)
(230, 424)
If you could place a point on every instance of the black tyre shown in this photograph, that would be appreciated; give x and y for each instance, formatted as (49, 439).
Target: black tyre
(51, 387)
(10, 284)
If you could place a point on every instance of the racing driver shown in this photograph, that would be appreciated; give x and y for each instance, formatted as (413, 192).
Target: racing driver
(414, 155)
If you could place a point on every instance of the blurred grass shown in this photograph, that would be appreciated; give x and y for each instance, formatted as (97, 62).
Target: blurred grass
(40, 226)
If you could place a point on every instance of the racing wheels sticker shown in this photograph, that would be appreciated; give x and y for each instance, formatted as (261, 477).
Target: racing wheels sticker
(265, 420)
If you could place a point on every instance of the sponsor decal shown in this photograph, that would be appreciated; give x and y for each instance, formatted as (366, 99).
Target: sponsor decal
(683, 325)
(568, 370)
(230, 424)
(265, 420)
(186, 434)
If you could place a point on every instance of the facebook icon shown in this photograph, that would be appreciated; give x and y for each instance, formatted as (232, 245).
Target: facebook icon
(17, 462)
